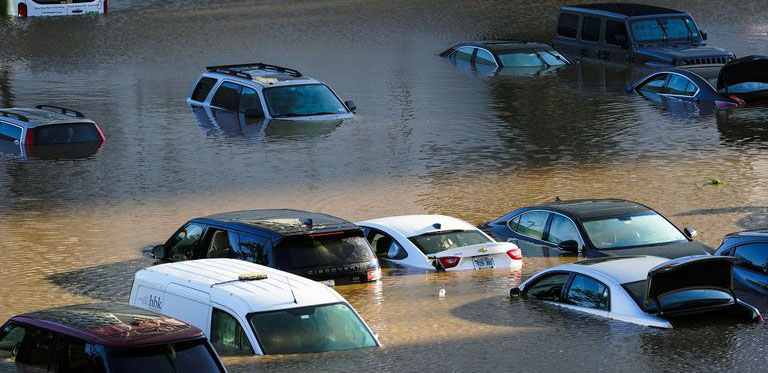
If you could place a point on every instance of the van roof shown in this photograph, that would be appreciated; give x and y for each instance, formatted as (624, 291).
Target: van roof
(32, 118)
(111, 324)
(218, 279)
(626, 9)
(284, 221)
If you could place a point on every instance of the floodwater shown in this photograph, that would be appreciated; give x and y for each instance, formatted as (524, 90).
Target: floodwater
(429, 138)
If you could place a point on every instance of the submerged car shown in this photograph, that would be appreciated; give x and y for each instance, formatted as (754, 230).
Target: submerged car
(260, 90)
(44, 8)
(437, 243)
(317, 246)
(727, 86)
(642, 290)
(750, 270)
(634, 33)
(498, 55)
(595, 228)
(104, 337)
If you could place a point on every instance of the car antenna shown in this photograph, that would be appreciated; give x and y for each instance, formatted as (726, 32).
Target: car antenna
(291, 288)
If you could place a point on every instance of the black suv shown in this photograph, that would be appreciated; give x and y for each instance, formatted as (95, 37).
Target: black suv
(317, 246)
(634, 33)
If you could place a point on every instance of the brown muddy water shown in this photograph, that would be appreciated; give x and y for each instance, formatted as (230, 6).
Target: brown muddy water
(429, 138)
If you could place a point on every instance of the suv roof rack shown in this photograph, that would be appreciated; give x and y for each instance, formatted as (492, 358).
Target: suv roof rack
(237, 70)
(62, 110)
(10, 114)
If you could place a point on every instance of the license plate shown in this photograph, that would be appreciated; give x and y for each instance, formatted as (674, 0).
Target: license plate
(328, 282)
(484, 262)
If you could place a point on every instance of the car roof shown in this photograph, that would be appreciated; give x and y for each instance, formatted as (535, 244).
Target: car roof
(596, 208)
(501, 46)
(414, 225)
(763, 232)
(627, 9)
(283, 221)
(111, 324)
(32, 118)
(262, 74)
(220, 279)
(623, 269)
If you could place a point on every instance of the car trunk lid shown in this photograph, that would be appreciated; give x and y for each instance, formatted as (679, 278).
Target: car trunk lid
(700, 271)
(750, 69)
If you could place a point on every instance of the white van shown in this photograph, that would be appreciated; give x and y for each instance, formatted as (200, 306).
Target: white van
(246, 308)
(39, 8)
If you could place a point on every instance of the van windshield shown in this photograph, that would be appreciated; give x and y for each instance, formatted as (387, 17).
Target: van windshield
(665, 30)
(328, 327)
(323, 250)
(188, 356)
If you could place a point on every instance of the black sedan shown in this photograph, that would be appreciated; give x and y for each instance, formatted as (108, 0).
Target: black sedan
(750, 270)
(594, 228)
(498, 57)
(727, 86)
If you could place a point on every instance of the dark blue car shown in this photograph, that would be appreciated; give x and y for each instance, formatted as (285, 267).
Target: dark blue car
(594, 228)
(750, 270)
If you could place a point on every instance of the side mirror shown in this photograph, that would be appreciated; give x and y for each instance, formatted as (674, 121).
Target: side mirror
(621, 39)
(690, 232)
(703, 35)
(351, 106)
(569, 245)
(253, 113)
(514, 293)
(158, 252)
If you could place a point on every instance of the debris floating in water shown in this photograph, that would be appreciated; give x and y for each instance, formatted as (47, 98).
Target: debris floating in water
(441, 293)
(716, 182)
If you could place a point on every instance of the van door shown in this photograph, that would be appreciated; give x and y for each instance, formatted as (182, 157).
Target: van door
(188, 305)
(615, 47)
(230, 334)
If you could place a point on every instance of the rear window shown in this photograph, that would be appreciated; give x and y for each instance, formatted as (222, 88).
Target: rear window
(323, 250)
(66, 134)
(202, 89)
(568, 25)
(435, 242)
(189, 356)
(680, 300)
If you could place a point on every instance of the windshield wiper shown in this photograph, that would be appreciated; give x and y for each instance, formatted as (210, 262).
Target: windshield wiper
(306, 114)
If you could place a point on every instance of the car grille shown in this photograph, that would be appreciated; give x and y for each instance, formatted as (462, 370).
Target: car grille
(714, 60)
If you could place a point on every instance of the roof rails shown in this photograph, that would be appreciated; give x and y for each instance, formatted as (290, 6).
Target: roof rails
(237, 70)
(65, 111)
(10, 114)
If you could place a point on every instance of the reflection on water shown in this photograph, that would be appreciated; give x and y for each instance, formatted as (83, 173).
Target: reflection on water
(218, 122)
(428, 138)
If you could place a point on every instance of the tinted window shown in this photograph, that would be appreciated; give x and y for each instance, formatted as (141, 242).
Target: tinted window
(678, 85)
(323, 328)
(386, 246)
(227, 336)
(188, 356)
(753, 257)
(250, 100)
(512, 224)
(690, 89)
(525, 59)
(562, 229)
(549, 287)
(203, 88)
(323, 250)
(685, 299)
(587, 292)
(484, 57)
(654, 84)
(590, 29)
(302, 100)
(9, 132)
(614, 29)
(228, 96)
(532, 224)
(463, 54)
(11, 337)
(435, 242)
(66, 133)
(185, 245)
(568, 25)
(253, 249)
(77, 356)
(37, 348)
(647, 30)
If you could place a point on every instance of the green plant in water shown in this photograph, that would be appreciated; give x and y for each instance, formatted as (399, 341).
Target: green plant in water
(716, 182)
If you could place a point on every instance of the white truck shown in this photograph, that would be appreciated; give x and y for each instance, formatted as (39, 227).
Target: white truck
(41, 8)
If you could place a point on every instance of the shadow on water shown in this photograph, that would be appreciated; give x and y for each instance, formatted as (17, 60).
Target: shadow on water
(110, 282)
(756, 218)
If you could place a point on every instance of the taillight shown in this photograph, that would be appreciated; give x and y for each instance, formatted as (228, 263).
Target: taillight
(374, 274)
(30, 140)
(105, 6)
(449, 261)
(23, 10)
(100, 133)
(515, 254)
(725, 105)
(738, 100)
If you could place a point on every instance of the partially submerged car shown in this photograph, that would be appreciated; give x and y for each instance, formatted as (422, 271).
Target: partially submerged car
(595, 228)
(727, 86)
(643, 290)
(220, 122)
(46, 8)
(634, 33)
(437, 243)
(750, 270)
(499, 56)
(104, 337)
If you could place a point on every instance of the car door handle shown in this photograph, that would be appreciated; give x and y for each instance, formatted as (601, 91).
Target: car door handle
(604, 55)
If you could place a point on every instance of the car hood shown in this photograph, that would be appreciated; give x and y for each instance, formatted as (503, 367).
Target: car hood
(743, 70)
(671, 251)
(700, 271)
(670, 52)
(475, 250)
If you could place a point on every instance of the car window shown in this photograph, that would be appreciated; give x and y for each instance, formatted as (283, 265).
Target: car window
(590, 29)
(37, 348)
(587, 292)
(185, 356)
(227, 336)
(614, 30)
(203, 88)
(219, 244)
(11, 337)
(532, 224)
(552, 58)
(228, 96)
(249, 100)
(512, 224)
(647, 30)
(386, 246)
(435, 242)
(523, 59)
(463, 54)
(690, 89)
(548, 287)
(632, 230)
(563, 229)
(253, 248)
(66, 133)
(9, 132)
(753, 257)
(484, 57)
(323, 250)
(184, 245)
(568, 25)
(654, 84)
(81, 357)
(675, 28)
(678, 85)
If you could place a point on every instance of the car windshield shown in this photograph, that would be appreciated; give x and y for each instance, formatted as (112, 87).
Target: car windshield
(321, 328)
(188, 356)
(435, 242)
(302, 100)
(682, 300)
(665, 30)
(520, 59)
(552, 58)
(323, 250)
(632, 230)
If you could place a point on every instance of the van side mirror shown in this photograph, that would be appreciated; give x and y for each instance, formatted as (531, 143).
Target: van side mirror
(351, 106)
(253, 113)
(158, 252)
(703, 35)
(569, 245)
(690, 232)
(621, 40)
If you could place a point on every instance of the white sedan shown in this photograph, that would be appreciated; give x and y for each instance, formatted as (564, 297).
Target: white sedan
(437, 243)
